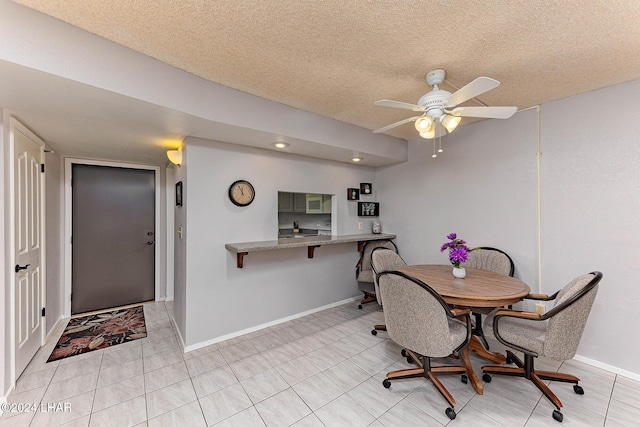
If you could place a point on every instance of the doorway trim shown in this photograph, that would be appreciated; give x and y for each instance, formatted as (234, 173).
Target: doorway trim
(68, 163)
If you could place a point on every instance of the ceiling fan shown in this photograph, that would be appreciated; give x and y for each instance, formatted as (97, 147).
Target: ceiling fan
(439, 112)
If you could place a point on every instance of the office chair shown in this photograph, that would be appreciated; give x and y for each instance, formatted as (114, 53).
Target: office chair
(417, 318)
(555, 334)
(383, 259)
(364, 272)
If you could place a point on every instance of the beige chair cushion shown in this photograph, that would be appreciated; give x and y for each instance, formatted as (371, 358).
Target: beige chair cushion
(557, 337)
(415, 319)
(366, 256)
(565, 329)
(384, 259)
(523, 333)
(491, 260)
(486, 259)
(365, 276)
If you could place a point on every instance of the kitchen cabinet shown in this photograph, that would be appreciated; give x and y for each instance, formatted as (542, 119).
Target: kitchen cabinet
(314, 203)
(285, 202)
(326, 203)
(292, 202)
(299, 203)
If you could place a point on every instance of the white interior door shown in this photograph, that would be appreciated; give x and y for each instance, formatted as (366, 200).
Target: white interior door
(28, 303)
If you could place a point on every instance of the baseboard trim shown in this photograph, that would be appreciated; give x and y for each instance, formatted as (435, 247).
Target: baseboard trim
(55, 326)
(606, 367)
(3, 399)
(180, 339)
(266, 325)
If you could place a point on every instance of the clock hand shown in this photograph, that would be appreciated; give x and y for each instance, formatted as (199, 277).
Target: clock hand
(241, 189)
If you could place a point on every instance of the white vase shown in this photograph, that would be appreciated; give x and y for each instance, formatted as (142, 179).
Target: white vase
(459, 272)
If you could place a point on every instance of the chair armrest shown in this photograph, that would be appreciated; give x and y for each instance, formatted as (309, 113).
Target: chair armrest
(519, 314)
(537, 296)
(542, 297)
(457, 312)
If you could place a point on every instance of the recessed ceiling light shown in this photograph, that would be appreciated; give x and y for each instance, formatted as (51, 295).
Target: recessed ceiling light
(280, 145)
(356, 159)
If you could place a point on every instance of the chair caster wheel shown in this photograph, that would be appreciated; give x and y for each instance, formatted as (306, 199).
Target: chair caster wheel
(557, 415)
(450, 413)
(359, 306)
(486, 378)
(464, 379)
(578, 389)
(374, 332)
(403, 353)
(409, 359)
(386, 383)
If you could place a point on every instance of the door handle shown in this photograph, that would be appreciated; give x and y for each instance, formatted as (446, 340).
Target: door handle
(21, 267)
(149, 243)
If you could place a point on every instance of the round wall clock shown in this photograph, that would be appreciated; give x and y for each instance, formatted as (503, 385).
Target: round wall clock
(241, 193)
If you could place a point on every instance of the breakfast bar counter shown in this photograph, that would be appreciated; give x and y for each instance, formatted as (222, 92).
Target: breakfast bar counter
(243, 248)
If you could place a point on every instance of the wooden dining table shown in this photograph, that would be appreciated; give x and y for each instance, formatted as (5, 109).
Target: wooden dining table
(480, 288)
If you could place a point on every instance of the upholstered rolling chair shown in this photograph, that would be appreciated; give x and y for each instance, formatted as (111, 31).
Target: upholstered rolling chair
(417, 318)
(383, 259)
(364, 272)
(492, 259)
(555, 334)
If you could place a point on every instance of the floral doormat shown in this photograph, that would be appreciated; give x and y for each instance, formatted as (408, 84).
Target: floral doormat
(97, 331)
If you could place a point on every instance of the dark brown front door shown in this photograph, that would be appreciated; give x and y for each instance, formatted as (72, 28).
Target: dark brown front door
(113, 255)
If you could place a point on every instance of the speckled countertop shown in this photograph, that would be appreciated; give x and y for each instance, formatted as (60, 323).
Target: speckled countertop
(300, 242)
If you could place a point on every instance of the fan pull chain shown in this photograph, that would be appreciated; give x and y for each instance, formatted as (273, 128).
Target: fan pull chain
(440, 150)
(434, 155)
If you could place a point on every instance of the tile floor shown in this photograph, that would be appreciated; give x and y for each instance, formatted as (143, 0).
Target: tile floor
(324, 369)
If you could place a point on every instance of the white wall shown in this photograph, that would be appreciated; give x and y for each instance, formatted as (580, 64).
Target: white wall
(484, 188)
(222, 299)
(591, 202)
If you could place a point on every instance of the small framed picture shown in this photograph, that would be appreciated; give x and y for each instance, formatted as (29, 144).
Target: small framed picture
(353, 194)
(179, 193)
(366, 188)
(368, 209)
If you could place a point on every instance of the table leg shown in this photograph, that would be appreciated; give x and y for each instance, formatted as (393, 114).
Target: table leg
(471, 375)
(476, 346)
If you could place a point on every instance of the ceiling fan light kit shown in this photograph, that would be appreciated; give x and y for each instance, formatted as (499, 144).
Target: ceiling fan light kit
(437, 120)
(450, 122)
(423, 124)
(429, 134)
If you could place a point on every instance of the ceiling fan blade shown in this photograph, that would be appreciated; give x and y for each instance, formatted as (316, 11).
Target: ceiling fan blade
(471, 90)
(392, 125)
(398, 104)
(484, 112)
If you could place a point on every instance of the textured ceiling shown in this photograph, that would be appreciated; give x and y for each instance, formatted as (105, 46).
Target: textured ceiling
(336, 57)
